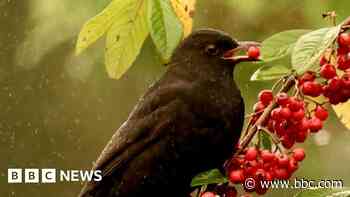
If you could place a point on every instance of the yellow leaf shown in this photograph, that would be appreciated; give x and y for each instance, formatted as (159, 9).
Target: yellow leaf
(97, 26)
(184, 9)
(126, 37)
(343, 112)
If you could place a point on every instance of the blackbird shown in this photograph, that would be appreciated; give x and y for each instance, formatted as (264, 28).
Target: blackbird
(186, 123)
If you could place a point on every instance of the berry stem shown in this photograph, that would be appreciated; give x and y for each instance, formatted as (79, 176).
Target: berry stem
(289, 84)
(314, 101)
(274, 138)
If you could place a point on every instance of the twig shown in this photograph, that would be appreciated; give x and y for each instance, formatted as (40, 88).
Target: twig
(278, 83)
(314, 101)
(253, 114)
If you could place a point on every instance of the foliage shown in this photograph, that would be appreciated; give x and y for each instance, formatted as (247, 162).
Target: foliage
(209, 177)
(127, 23)
(125, 38)
(310, 47)
(265, 73)
(280, 44)
(184, 10)
(165, 28)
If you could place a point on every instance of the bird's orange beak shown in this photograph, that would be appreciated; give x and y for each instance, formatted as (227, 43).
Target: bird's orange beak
(234, 56)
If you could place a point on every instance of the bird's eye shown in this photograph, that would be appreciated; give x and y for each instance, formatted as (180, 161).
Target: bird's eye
(211, 49)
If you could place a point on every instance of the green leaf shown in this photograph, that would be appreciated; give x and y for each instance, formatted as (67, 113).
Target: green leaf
(270, 73)
(126, 37)
(280, 44)
(311, 46)
(345, 192)
(210, 177)
(265, 140)
(97, 26)
(164, 26)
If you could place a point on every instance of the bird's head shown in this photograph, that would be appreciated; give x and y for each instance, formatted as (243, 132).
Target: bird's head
(214, 46)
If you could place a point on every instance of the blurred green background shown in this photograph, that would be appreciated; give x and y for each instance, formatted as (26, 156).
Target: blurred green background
(58, 110)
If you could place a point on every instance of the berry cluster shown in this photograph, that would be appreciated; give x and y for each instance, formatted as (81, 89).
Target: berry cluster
(291, 117)
(289, 120)
(260, 165)
(335, 73)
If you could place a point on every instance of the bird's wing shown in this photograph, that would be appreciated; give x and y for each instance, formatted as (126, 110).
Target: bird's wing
(154, 112)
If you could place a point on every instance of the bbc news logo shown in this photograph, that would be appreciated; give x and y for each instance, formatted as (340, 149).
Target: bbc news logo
(50, 175)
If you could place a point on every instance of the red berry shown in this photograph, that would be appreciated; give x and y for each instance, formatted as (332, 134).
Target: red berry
(282, 99)
(253, 52)
(270, 175)
(267, 156)
(304, 124)
(291, 129)
(292, 165)
(270, 125)
(308, 76)
(280, 128)
(287, 141)
(234, 163)
(335, 84)
(251, 154)
(342, 51)
(298, 115)
(328, 71)
(344, 61)
(295, 104)
(285, 113)
(312, 88)
(282, 160)
(299, 154)
(260, 173)
(266, 97)
(208, 194)
(236, 176)
(301, 136)
(323, 60)
(344, 40)
(315, 124)
(321, 113)
(335, 99)
(282, 173)
(276, 114)
(250, 168)
(259, 107)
